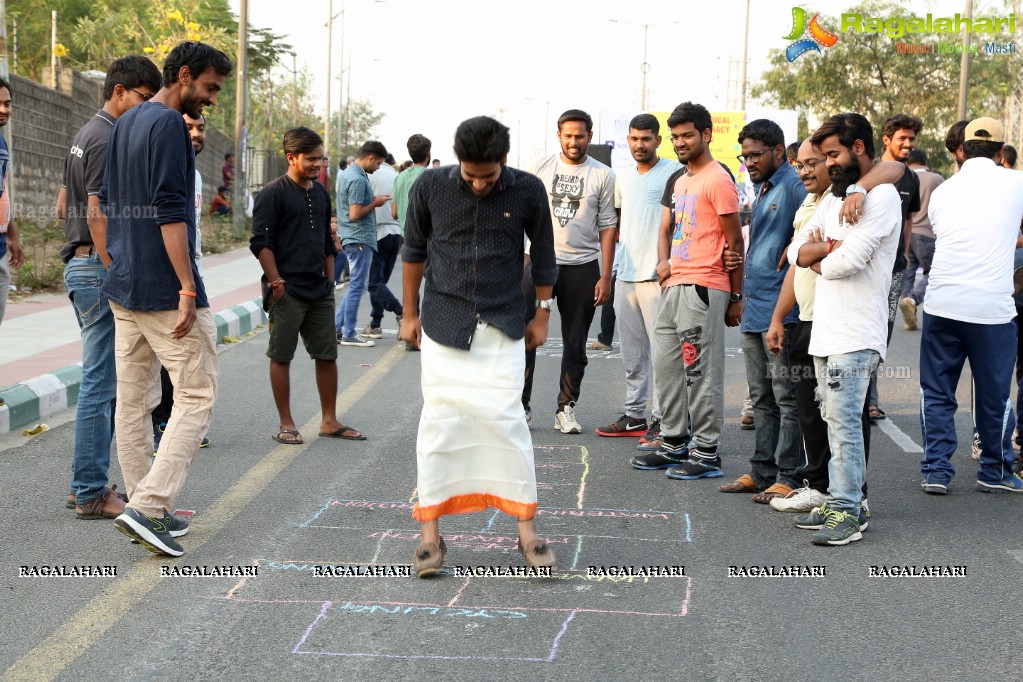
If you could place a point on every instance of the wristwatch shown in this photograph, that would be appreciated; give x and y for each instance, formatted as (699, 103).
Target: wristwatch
(546, 304)
(855, 189)
(734, 298)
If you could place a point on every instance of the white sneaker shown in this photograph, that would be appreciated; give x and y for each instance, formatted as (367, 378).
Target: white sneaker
(565, 422)
(747, 408)
(866, 508)
(799, 500)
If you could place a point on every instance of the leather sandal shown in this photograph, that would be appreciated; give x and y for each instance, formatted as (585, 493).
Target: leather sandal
(429, 558)
(776, 490)
(539, 554)
(109, 505)
(743, 484)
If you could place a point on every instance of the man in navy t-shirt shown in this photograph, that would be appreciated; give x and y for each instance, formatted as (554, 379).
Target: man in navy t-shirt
(161, 314)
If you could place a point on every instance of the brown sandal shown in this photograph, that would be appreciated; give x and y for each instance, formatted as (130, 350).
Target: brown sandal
(429, 558)
(776, 490)
(743, 484)
(539, 554)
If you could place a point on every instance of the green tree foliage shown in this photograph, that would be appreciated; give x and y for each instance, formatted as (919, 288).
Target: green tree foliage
(359, 125)
(864, 72)
(92, 33)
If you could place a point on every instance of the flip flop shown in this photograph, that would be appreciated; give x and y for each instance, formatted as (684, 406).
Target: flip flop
(290, 432)
(344, 433)
(876, 413)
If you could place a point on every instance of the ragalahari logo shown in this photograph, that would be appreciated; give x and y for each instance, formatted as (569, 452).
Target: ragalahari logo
(818, 36)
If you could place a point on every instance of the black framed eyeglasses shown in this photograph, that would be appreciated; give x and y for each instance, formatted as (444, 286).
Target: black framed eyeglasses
(144, 96)
(810, 166)
(752, 156)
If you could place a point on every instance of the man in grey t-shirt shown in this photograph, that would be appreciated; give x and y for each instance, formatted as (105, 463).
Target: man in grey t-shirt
(129, 81)
(581, 191)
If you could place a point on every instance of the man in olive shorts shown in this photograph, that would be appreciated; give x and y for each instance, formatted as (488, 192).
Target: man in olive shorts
(291, 238)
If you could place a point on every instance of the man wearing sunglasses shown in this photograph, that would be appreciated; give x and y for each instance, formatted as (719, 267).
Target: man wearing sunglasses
(778, 449)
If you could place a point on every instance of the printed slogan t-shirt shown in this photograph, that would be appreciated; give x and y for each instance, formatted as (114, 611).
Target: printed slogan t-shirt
(697, 240)
(582, 205)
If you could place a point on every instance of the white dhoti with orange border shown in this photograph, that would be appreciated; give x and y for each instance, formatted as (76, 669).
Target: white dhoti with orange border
(474, 449)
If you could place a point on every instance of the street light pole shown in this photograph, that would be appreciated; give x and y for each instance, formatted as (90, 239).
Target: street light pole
(240, 189)
(964, 65)
(645, 66)
(745, 59)
(330, 41)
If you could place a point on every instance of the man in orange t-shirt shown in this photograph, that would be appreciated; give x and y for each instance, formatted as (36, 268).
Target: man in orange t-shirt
(700, 216)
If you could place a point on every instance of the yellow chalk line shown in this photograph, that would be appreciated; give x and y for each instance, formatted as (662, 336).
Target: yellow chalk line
(83, 629)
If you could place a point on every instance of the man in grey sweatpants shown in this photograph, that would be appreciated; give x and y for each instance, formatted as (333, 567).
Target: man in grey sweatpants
(700, 215)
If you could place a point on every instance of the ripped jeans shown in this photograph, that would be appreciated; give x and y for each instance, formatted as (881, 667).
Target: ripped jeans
(842, 382)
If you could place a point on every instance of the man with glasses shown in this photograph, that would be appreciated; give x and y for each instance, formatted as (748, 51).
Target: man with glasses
(129, 81)
(778, 449)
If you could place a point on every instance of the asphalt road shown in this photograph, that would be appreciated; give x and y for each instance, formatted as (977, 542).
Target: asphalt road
(286, 510)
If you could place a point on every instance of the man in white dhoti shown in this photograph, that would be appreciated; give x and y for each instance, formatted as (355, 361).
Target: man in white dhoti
(464, 231)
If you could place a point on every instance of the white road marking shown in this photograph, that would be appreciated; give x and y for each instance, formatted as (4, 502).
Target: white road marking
(898, 437)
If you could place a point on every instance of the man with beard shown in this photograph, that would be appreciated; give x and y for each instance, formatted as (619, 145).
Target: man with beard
(581, 191)
(638, 190)
(850, 314)
(778, 449)
(161, 313)
(700, 215)
(799, 289)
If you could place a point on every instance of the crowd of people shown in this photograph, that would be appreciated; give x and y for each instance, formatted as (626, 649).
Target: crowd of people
(839, 239)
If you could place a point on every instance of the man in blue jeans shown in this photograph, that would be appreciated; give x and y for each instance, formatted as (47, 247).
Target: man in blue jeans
(850, 325)
(386, 254)
(778, 449)
(358, 230)
(129, 81)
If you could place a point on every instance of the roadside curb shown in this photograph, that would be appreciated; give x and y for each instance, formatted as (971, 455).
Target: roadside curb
(57, 391)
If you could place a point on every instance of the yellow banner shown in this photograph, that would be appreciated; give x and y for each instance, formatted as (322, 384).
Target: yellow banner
(724, 145)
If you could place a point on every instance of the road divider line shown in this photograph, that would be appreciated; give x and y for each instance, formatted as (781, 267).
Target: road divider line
(898, 437)
(57, 652)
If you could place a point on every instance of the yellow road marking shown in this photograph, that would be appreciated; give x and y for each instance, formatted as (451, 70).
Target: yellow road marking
(69, 641)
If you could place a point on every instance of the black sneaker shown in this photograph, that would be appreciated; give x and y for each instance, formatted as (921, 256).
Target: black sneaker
(839, 529)
(153, 534)
(696, 467)
(665, 458)
(624, 426)
(178, 527)
(653, 432)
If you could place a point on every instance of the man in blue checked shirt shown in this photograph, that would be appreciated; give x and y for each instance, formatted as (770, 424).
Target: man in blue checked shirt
(778, 449)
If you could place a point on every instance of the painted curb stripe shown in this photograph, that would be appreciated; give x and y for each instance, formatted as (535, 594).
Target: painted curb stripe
(57, 391)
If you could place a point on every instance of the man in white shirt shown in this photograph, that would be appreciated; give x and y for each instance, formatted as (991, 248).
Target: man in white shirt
(850, 326)
(581, 192)
(969, 312)
(638, 193)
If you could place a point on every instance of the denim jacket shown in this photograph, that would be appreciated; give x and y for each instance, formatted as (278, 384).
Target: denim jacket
(770, 233)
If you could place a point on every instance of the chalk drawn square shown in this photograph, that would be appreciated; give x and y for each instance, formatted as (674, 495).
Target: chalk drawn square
(443, 633)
